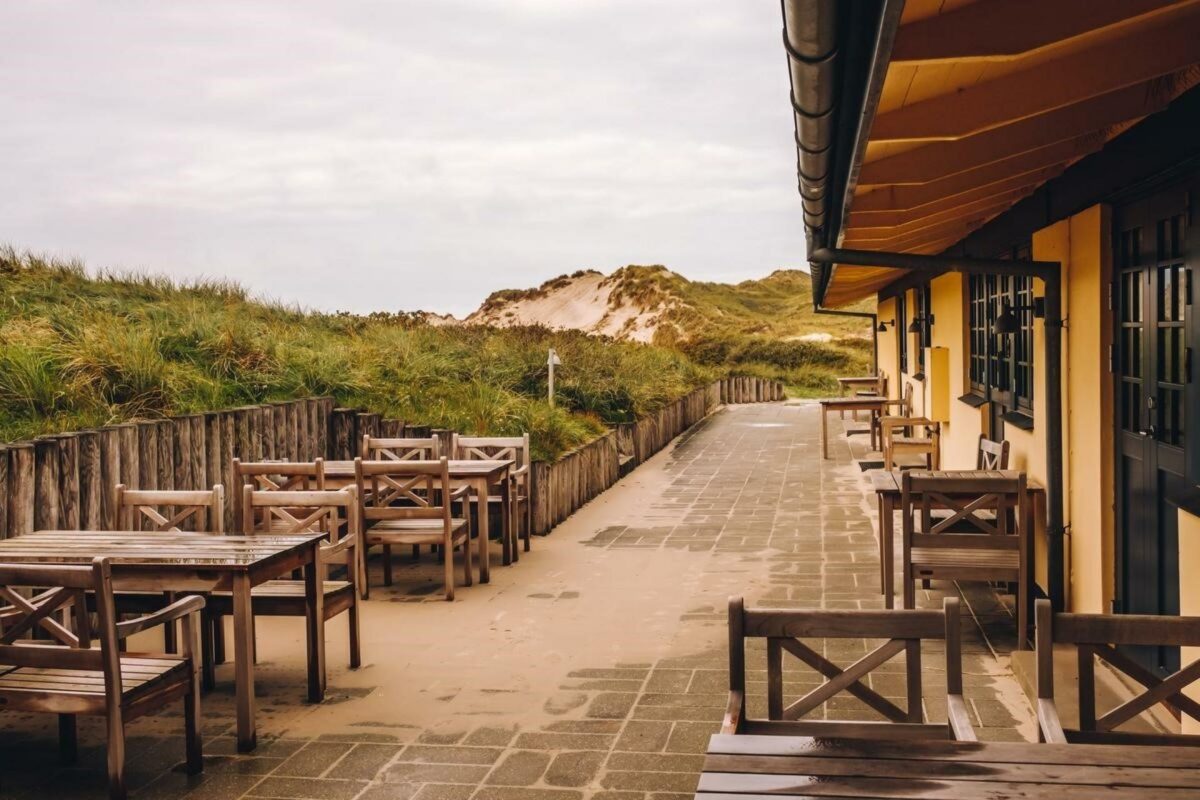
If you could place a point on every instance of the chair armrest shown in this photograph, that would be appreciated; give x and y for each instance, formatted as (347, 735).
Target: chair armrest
(341, 545)
(180, 608)
(959, 719)
(732, 722)
(519, 471)
(1049, 724)
(460, 492)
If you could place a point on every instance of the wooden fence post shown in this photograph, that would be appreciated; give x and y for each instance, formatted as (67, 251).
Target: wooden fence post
(166, 455)
(5, 492)
(68, 481)
(22, 495)
(181, 450)
(147, 455)
(91, 512)
(110, 474)
(45, 511)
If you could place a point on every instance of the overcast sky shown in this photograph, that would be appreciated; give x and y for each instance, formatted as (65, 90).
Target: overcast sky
(398, 154)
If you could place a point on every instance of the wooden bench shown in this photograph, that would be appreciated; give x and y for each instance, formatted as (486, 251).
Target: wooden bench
(69, 676)
(902, 632)
(1098, 636)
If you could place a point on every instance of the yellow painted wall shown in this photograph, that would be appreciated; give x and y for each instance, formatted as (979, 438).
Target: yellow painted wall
(1081, 244)
(1189, 598)
(887, 343)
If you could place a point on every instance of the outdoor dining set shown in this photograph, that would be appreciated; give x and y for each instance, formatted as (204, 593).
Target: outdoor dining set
(303, 532)
(973, 525)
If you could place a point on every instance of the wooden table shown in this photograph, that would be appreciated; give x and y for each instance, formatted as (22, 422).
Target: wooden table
(198, 562)
(480, 476)
(859, 382)
(800, 766)
(872, 403)
(887, 496)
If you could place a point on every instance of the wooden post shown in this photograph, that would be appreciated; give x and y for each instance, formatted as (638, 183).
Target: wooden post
(21, 488)
(166, 455)
(257, 448)
(324, 407)
(314, 429)
(212, 449)
(147, 455)
(5, 493)
(91, 481)
(110, 475)
(266, 413)
(45, 511)
(128, 434)
(68, 481)
(181, 449)
(279, 429)
(303, 444)
(198, 454)
(339, 427)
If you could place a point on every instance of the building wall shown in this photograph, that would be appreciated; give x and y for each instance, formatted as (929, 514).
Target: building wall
(1082, 245)
(887, 344)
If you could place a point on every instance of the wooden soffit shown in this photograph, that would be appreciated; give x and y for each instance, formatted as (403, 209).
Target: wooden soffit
(986, 100)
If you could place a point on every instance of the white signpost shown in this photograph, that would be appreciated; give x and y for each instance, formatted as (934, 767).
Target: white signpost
(552, 362)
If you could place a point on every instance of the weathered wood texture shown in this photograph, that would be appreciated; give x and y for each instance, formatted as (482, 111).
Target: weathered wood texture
(743, 389)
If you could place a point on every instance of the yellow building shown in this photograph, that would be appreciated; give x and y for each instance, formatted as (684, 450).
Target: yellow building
(1016, 184)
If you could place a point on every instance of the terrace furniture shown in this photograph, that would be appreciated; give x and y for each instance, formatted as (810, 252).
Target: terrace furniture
(998, 549)
(875, 405)
(991, 455)
(334, 515)
(424, 518)
(1098, 636)
(903, 632)
(63, 673)
(166, 511)
(193, 562)
(275, 476)
(893, 445)
(886, 486)
(478, 475)
(758, 767)
(379, 449)
(865, 385)
(514, 503)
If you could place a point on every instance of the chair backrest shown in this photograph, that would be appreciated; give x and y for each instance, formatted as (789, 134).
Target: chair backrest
(902, 631)
(335, 513)
(967, 495)
(906, 408)
(378, 449)
(63, 589)
(170, 510)
(280, 476)
(991, 455)
(492, 448)
(403, 489)
(1098, 636)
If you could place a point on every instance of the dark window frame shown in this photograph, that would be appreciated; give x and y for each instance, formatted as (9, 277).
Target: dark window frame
(1002, 364)
(922, 296)
(902, 330)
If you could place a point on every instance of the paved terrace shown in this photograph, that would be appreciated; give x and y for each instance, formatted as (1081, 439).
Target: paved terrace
(595, 668)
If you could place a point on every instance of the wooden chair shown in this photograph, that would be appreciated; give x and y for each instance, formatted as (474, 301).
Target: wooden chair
(153, 510)
(893, 444)
(378, 449)
(519, 519)
(276, 476)
(996, 507)
(164, 511)
(335, 513)
(423, 487)
(903, 632)
(68, 675)
(1098, 636)
(991, 455)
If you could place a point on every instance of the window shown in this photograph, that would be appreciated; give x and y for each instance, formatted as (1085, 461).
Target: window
(1002, 364)
(902, 331)
(922, 298)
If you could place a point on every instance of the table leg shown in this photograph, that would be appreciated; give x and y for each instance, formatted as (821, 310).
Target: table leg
(510, 527)
(824, 432)
(243, 658)
(889, 567)
(481, 492)
(314, 618)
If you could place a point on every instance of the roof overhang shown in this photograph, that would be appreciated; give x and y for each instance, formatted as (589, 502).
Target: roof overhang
(918, 122)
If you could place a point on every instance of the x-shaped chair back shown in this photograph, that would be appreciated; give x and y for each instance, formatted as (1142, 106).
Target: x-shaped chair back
(991, 455)
(493, 448)
(377, 449)
(281, 476)
(173, 510)
(335, 513)
(1105, 637)
(967, 495)
(902, 632)
(404, 489)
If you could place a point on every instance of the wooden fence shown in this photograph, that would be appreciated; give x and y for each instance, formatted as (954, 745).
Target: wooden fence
(65, 481)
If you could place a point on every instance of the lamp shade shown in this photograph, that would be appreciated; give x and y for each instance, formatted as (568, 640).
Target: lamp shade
(882, 327)
(915, 325)
(1006, 323)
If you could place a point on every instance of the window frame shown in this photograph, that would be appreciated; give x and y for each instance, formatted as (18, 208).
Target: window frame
(1006, 365)
(902, 331)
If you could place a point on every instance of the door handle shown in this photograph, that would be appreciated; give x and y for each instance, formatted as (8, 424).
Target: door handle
(1148, 432)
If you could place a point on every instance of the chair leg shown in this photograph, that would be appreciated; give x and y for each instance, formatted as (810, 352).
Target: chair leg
(191, 701)
(170, 639)
(218, 626)
(448, 569)
(355, 637)
(207, 664)
(116, 755)
(1022, 615)
(416, 552)
(910, 591)
(528, 516)
(387, 565)
(68, 747)
(467, 561)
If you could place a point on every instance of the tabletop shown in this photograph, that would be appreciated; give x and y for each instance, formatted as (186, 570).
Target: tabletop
(459, 468)
(885, 482)
(859, 379)
(201, 552)
(861, 400)
(783, 766)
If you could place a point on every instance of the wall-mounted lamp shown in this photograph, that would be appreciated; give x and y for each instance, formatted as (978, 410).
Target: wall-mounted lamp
(918, 323)
(1007, 323)
(883, 326)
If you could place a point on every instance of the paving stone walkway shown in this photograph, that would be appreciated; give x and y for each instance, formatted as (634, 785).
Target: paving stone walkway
(592, 670)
